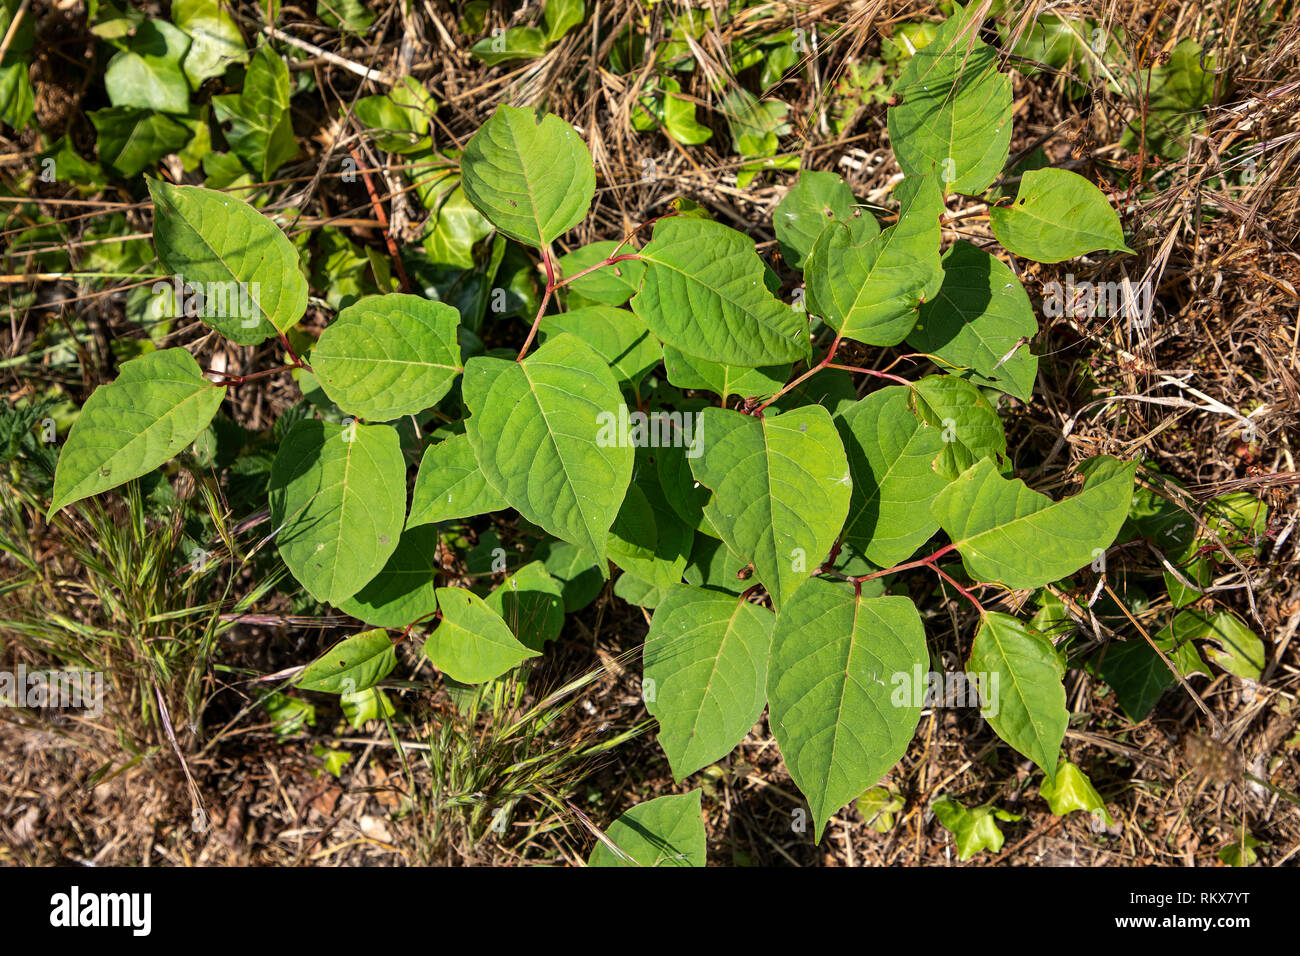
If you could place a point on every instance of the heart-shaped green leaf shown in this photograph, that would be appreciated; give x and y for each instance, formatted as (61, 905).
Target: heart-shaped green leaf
(981, 320)
(534, 180)
(472, 644)
(833, 690)
(705, 673)
(158, 405)
(450, 485)
(242, 263)
(782, 490)
(538, 429)
(1015, 536)
(665, 831)
(355, 664)
(338, 498)
(817, 199)
(1057, 215)
(868, 287)
(1025, 701)
(704, 294)
(386, 356)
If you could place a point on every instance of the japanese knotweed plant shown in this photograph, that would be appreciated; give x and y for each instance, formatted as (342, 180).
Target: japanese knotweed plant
(764, 531)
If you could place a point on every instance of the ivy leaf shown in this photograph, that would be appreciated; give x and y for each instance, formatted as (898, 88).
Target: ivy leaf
(562, 16)
(980, 320)
(516, 43)
(159, 403)
(973, 830)
(832, 703)
(610, 285)
(1057, 215)
(472, 644)
(617, 335)
(222, 243)
(147, 74)
(260, 128)
(782, 490)
(533, 180)
(665, 831)
(355, 664)
(386, 356)
(1073, 791)
(891, 452)
(1237, 649)
(955, 115)
(404, 591)
(338, 498)
(704, 294)
(1027, 706)
(705, 673)
(217, 42)
(969, 424)
(536, 427)
(129, 141)
(868, 287)
(1021, 538)
(450, 485)
(817, 199)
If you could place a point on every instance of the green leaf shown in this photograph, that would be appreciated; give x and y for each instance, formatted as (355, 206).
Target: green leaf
(1073, 791)
(868, 287)
(617, 335)
(807, 209)
(338, 497)
(981, 320)
(1175, 95)
(636, 545)
(704, 294)
(260, 129)
(1241, 852)
(1021, 538)
(973, 830)
(158, 405)
(705, 673)
(536, 429)
(610, 285)
(130, 141)
(147, 74)
(833, 706)
(1057, 215)
(351, 15)
(450, 485)
(531, 602)
(1023, 671)
(665, 831)
(1136, 674)
(403, 592)
(351, 666)
(248, 270)
(386, 356)
(686, 371)
(891, 453)
(561, 17)
(472, 644)
(580, 578)
(399, 119)
(955, 117)
(516, 43)
(1236, 648)
(970, 426)
(534, 180)
(782, 490)
(217, 42)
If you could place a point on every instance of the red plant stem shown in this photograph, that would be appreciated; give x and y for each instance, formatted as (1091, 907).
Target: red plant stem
(383, 220)
(599, 265)
(872, 372)
(546, 297)
(241, 379)
(930, 561)
(824, 363)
